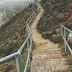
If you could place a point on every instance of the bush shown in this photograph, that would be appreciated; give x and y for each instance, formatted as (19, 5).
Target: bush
(56, 31)
(57, 38)
(46, 34)
(49, 34)
(53, 37)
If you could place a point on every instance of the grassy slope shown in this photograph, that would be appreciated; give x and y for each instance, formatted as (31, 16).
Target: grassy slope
(57, 13)
(12, 35)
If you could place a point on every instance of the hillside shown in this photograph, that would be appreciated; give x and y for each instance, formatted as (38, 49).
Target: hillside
(11, 8)
(56, 13)
(12, 35)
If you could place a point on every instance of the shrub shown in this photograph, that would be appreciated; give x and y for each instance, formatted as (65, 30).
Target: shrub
(46, 34)
(49, 34)
(56, 31)
(53, 37)
(57, 38)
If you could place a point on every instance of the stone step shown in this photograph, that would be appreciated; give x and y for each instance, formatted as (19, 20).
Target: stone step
(49, 62)
(41, 43)
(57, 68)
(46, 56)
(47, 42)
(50, 50)
(64, 68)
(48, 46)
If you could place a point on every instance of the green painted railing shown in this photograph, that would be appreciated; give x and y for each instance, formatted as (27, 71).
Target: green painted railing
(63, 32)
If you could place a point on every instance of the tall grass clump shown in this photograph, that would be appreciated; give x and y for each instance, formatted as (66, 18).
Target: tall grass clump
(46, 34)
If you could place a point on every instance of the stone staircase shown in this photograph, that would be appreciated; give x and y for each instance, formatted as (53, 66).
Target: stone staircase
(48, 58)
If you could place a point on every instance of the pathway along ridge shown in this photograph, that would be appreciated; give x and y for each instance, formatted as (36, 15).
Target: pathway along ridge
(47, 56)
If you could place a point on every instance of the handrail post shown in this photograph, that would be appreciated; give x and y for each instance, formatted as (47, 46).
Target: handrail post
(31, 42)
(19, 63)
(65, 37)
(28, 51)
(37, 2)
(38, 6)
(61, 30)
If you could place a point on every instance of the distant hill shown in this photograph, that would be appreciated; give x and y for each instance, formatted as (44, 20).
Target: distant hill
(12, 8)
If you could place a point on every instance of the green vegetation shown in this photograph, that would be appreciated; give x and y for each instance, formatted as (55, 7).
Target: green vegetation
(12, 36)
(57, 38)
(54, 36)
(46, 34)
(14, 46)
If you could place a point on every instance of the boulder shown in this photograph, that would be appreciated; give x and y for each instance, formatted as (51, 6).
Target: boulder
(70, 39)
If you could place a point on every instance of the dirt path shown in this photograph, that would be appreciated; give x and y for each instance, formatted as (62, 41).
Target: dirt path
(35, 35)
(47, 56)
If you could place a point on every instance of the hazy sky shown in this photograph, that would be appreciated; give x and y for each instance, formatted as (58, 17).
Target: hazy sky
(2, 1)
(15, 0)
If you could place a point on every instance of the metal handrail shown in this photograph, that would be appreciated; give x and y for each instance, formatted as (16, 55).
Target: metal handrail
(8, 57)
(17, 54)
(64, 37)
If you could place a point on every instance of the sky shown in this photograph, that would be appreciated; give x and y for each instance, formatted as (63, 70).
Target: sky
(2, 1)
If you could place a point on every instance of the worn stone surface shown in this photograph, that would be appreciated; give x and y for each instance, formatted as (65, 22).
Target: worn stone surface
(47, 56)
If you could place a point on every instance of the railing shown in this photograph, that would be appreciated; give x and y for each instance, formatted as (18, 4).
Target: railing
(63, 32)
(17, 54)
